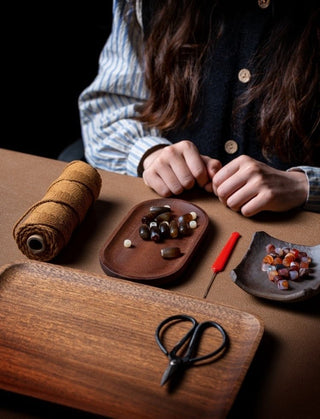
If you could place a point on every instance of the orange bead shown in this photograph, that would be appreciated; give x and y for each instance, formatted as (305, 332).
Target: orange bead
(289, 257)
(295, 252)
(283, 284)
(268, 259)
(277, 261)
(272, 275)
(304, 265)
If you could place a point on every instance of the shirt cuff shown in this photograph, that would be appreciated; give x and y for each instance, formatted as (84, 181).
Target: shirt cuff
(313, 176)
(139, 149)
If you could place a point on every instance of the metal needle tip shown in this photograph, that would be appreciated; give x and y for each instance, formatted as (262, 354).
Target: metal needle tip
(210, 284)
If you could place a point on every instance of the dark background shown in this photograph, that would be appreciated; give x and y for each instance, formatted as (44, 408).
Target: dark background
(49, 55)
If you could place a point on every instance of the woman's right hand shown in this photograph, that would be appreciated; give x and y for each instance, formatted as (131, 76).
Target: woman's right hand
(172, 169)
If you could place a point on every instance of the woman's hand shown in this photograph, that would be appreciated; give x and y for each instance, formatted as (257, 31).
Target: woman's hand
(250, 186)
(172, 169)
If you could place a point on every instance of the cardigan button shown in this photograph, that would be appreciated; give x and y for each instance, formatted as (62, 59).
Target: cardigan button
(231, 147)
(263, 4)
(244, 75)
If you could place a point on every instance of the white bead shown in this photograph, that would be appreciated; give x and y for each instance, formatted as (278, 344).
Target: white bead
(193, 224)
(127, 243)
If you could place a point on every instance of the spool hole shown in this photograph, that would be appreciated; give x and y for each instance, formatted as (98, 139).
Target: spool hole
(35, 243)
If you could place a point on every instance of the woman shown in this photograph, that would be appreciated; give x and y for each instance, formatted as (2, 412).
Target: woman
(222, 94)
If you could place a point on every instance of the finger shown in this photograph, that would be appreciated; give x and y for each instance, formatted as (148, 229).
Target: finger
(157, 184)
(163, 180)
(241, 197)
(196, 166)
(229, 187)
(177, 180)
(208, 187)
(253, 206)
(224, 173)
(183, 174)
(187, 164)
(175, 170)
(212, 165)
(243, 163)
(244, 194)
(170, 165)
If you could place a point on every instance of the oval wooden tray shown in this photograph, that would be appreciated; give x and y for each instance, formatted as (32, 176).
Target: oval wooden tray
(142, 262)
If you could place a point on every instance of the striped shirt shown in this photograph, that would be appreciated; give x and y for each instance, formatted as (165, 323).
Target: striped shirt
(113, 139)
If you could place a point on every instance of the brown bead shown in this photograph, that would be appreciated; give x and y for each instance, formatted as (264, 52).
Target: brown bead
(164, 216)
(174, 231)
(158, 210)
(185, 218)
(155, 234)
(164, 229)
(144, 232)
(170, 252)
(147, 218)
(184, 228)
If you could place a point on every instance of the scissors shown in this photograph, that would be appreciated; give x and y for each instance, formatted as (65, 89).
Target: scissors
(179, 362)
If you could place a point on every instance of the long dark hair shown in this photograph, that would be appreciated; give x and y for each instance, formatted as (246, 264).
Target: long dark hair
(286, 83)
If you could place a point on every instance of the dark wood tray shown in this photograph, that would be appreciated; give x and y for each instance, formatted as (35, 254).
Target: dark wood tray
(87, 341)
(143, 262)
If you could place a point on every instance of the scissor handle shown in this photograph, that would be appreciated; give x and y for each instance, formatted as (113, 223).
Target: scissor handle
(195, 339)
(186, 337)
(194, 334)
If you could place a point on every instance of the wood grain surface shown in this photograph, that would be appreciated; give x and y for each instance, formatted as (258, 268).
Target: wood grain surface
(143, 262)
(87, 341)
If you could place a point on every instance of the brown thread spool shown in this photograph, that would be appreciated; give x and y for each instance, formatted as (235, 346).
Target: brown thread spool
(46, 227)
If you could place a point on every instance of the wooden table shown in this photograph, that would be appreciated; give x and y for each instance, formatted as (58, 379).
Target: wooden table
(283, 379)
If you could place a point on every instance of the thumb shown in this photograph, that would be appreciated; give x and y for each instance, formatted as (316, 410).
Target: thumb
(212, 165)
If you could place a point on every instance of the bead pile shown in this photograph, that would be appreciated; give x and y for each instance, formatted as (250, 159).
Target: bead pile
(161, 223)
(284, 263)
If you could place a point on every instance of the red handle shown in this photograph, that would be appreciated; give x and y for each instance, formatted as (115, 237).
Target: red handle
(221, 260)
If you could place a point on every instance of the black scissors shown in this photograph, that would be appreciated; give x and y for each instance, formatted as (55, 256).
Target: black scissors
(178, 362)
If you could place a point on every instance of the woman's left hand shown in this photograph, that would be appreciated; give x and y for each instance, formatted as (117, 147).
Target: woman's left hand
(250, 186)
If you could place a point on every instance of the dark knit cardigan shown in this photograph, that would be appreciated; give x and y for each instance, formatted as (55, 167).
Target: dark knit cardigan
(246, 27)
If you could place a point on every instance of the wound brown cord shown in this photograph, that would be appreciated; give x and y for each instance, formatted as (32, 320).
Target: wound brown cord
(46, 227)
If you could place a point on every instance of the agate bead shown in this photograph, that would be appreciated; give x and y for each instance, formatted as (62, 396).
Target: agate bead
(174, 231)
(155, 234)
(144, 232)
(283, 264)
(164, 229)
(165, 216)
(156, 210)
(170, 252)
(184, 229)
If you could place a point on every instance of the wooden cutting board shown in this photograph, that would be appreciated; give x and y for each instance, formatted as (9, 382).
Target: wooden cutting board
(87, 341)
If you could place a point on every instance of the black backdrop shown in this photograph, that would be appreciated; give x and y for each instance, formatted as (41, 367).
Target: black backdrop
(49, 55)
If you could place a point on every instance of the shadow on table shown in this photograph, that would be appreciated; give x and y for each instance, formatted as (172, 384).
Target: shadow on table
(248, 396)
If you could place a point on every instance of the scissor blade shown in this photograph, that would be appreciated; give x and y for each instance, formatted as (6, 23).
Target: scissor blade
(173, 367)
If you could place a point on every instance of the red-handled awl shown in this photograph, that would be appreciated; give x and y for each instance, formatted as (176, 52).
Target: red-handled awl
(220, 262)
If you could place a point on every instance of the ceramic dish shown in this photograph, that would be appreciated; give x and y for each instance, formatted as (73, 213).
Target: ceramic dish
(142, 262)
(249, 276)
